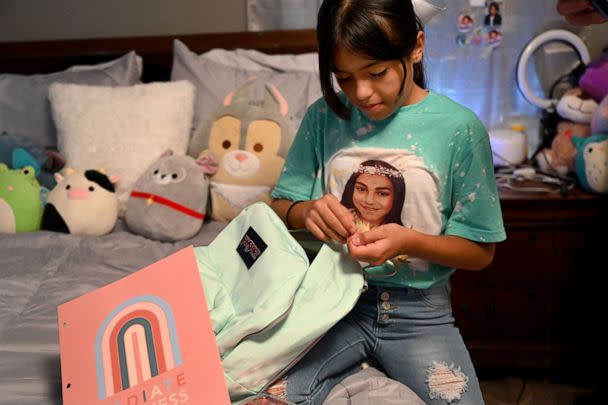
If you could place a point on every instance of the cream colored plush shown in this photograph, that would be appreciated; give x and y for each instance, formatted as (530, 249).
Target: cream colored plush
(121, 129)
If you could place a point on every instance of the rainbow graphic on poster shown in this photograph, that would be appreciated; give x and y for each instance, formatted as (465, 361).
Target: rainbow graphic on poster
(145, 339)
(136, 342)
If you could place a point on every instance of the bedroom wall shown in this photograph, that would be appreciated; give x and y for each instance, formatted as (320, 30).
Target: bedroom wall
(27, 20)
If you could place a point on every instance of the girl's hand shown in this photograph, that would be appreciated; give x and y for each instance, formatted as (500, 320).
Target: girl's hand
(579, 12)
(379, 244)
(327, 219)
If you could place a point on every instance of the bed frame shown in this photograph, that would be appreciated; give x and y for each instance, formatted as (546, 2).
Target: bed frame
(502, 313)
(157, 51)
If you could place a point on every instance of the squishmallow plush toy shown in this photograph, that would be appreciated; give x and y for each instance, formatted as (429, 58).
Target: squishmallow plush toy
(576, 106)
(592, 152)
(17, 152)
(20, 201)
(559, 159)
(169, 200)
(82, 202)
(244, 148)
(592, 162)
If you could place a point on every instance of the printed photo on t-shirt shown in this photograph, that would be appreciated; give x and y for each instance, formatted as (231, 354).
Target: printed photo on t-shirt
(383, 186)
(375, 194)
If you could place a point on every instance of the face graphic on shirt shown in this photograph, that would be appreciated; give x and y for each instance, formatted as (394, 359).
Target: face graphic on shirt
(381, 186)
(375, 193)
(373, 198)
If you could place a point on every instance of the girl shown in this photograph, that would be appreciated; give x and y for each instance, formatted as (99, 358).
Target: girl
(451, 212)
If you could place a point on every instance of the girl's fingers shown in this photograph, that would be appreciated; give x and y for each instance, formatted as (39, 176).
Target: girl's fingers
(332, 222)
(317, 221)
(566, 7)
(371, 236)
(329, 219)
(361, 252)
(585, 18)
(579, 12)
(343, 216)
(317, 232)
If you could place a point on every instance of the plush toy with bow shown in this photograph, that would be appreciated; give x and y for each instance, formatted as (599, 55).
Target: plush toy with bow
(169, 201)
(82, 202)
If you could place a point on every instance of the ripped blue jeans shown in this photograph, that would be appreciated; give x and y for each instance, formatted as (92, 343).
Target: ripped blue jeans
(410, 333)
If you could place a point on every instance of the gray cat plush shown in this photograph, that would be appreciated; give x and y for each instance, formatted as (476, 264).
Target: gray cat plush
(169, 201)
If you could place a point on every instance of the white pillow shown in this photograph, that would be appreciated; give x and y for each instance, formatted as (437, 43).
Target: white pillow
(121, 129)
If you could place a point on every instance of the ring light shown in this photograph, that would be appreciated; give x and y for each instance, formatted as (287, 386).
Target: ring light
(522, 64)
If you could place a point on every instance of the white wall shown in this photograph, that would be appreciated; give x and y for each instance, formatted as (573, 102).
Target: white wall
(26, 20)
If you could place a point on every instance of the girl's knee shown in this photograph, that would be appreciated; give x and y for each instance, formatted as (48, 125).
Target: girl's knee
(278, 389)
(450, 384)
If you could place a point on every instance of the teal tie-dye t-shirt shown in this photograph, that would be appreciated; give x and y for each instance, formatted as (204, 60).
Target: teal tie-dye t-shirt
(428, 167)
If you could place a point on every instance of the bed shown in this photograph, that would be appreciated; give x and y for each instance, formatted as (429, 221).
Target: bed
(40, 270)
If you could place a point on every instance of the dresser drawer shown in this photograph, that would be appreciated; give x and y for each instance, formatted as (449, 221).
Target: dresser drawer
(506, 312)
(525, 257)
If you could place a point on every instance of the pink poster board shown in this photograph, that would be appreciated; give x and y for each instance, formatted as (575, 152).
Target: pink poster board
(144, 339)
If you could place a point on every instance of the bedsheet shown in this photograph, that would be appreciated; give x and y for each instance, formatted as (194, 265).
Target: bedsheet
(39, 271)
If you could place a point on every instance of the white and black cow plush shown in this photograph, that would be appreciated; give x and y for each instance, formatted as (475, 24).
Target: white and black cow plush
(82, 202)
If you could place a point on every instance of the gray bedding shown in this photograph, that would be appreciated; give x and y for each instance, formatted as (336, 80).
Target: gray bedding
(39, 271)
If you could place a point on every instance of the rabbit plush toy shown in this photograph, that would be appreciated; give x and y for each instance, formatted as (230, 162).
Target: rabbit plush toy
(244, 148)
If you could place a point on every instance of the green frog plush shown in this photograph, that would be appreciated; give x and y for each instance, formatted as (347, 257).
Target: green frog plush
(20, 200)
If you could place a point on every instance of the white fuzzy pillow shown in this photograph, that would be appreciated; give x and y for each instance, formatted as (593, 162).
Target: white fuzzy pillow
(121, 129)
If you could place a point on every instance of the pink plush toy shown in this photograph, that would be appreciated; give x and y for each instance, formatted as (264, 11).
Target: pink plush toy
(599, 122)
(594, 81)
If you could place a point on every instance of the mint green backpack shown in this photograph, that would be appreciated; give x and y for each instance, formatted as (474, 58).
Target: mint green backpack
(268, 304)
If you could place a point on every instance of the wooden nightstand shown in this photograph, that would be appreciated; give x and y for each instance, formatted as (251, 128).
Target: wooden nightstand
(539, 306)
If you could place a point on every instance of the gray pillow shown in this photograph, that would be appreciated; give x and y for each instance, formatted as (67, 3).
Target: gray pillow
(214, 81)
(24, 105)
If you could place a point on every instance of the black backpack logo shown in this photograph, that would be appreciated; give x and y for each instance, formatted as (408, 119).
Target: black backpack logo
(251, 247)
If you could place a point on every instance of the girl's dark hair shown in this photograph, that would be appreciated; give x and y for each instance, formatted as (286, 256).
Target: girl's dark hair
(394, 215)
(379, 29)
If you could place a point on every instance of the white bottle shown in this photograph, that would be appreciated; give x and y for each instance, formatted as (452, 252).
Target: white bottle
(509, 146)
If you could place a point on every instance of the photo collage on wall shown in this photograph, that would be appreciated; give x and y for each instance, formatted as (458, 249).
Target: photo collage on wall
(481, 24)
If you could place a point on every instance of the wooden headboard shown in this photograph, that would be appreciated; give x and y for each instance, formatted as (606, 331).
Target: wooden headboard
(156, 51)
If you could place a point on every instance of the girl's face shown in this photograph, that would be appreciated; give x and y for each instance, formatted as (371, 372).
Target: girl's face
(373, 197)
(373, 86)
